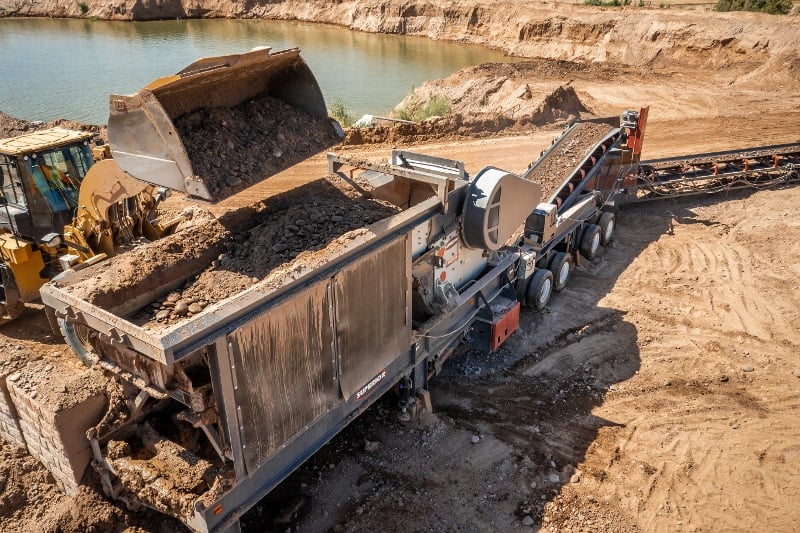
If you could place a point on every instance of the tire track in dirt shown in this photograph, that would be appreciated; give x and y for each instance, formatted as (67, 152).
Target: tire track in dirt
(709, 435)
(709, 268)
(695, 464)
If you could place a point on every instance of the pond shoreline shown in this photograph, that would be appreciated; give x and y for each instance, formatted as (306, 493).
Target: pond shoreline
(634, 36)
(79, 62)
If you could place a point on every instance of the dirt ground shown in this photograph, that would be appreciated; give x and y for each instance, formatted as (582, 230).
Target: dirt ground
(658, 392)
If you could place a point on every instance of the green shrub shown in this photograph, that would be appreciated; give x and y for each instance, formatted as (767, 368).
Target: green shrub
(84, 7)
(339, 110)
(774, 7)
(437, 106)
(404, 114)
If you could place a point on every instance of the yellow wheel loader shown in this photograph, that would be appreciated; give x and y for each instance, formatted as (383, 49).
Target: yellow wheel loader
(63, 206)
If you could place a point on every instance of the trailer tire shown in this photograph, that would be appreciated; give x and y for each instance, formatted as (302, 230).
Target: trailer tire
(561, 267)
(607, 225)
(77, 337)
(540, 289)
(590, 241)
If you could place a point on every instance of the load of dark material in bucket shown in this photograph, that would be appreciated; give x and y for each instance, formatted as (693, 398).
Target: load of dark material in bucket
(233, 148)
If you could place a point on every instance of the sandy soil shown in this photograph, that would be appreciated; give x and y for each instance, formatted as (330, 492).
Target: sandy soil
(659, 392)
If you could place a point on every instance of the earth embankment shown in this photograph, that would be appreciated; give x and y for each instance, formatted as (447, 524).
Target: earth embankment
(12, 126)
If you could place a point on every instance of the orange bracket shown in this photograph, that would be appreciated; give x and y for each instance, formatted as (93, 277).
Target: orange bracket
(503, 327)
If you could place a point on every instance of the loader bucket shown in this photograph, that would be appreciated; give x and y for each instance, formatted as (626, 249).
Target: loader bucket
(222, 124)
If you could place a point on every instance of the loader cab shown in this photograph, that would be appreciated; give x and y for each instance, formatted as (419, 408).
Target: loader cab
(40, 177)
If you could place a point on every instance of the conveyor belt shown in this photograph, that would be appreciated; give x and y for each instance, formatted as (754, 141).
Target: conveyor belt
(564, 167)
(726, 156)
(757, 167)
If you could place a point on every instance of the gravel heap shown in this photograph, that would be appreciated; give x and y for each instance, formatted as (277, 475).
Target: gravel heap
(296, 235)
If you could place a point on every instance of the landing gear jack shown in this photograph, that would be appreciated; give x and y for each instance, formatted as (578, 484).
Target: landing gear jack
(412, 402)
(405, 389)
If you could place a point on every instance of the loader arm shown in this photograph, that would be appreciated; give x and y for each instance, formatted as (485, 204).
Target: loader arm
(113, 209)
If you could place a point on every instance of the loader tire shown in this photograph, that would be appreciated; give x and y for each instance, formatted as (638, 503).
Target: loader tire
(77, 337)
(540, 289)
(590, 241)
(607, 225)
(561, 267)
